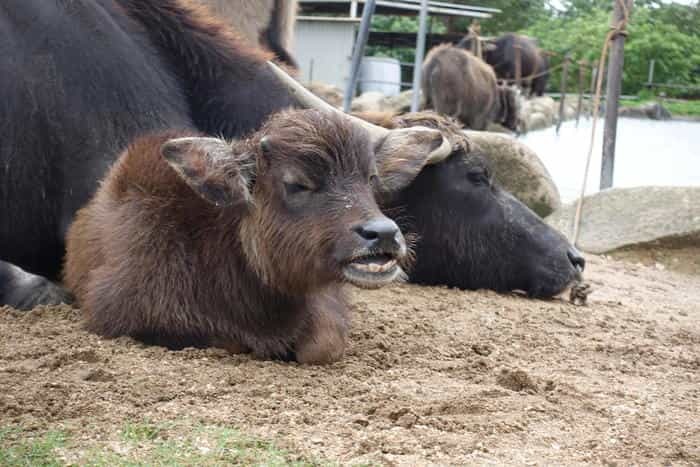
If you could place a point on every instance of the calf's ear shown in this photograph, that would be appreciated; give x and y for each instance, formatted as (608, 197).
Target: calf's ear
(211, 168)
(403, 153)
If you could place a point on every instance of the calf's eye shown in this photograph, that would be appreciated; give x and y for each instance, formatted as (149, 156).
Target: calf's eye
(296, 188)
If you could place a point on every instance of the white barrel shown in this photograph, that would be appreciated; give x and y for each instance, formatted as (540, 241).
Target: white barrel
(381, 74)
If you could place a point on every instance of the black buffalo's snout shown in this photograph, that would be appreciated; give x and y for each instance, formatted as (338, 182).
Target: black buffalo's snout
(381, 233)
(576, 258)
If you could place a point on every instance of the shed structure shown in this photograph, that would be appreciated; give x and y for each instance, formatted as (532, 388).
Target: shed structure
(326, 30)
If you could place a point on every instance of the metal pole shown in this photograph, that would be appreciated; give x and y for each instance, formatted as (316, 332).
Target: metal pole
(562, 97)
(581, 77)
(358, 52)
(650, 80)
(420, 52)
(612, 99)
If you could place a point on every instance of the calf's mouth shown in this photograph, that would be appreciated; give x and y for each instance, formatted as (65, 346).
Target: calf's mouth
(372, 269)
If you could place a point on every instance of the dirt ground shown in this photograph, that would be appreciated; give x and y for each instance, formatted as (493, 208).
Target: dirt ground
(432, 376)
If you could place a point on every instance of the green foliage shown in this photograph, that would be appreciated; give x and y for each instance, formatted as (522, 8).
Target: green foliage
(677, 54)
(515, 15)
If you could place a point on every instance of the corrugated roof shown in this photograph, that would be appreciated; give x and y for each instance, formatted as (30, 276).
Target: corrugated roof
(403, 7)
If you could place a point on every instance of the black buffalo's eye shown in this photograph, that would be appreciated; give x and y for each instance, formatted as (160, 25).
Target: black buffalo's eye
(479, 177)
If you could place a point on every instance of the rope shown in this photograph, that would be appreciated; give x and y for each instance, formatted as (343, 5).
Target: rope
(535, 75)
(618, 29)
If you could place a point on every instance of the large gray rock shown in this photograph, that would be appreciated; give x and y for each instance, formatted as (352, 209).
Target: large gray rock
(329, 93)
(537, 113)
(371, 101)
(400, 103)
(518, 170)
(625, 217)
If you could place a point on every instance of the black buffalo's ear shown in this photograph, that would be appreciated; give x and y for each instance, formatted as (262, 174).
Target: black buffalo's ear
(403, 153)
(211, 168)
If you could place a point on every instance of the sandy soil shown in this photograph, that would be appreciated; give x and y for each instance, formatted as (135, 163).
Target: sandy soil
(432, 376)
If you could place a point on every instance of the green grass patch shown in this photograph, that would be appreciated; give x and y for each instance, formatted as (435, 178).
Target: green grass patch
(146, 443)
(683, 108)
(18, 448)
(677, 107)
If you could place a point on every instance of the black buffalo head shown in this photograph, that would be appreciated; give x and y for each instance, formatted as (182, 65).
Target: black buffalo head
(471, 233)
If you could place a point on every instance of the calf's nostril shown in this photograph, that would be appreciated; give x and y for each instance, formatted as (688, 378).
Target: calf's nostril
(381, 229)
(576, 259)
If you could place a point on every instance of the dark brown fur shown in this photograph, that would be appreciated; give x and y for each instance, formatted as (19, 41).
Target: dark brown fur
(152, 256)
(459, 84)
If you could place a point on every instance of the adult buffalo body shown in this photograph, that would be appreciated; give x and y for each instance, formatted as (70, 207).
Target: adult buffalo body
(500, 53)
(469, 232)
(461, 85)
(81, 80)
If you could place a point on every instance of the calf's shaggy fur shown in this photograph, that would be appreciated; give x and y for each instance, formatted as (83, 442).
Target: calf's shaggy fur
(243, 245)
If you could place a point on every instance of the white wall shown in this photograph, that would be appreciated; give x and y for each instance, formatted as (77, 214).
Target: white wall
(323, 49)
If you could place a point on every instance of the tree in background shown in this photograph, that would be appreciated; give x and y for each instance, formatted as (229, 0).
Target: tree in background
(653, 34)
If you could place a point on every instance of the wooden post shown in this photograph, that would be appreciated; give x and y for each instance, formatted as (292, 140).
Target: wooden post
(612, 99)
(518, 65)
(650, 80)
(581, 77)
(594, 75)
(562, 97)
(475, 33)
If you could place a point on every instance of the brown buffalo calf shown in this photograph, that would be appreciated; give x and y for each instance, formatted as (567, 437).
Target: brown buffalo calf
(196, 241)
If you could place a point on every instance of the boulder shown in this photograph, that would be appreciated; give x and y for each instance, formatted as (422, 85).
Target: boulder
(400, 103)
(537, 113)
(371, 101)
(518, 170)
(329, 93)
(650, 110)
(535, 121)
(622, 218)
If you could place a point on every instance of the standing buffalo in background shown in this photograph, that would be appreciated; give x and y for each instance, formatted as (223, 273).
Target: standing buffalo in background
(267, 23)
(81, 80)
(469, 232)
(458, 84)
(500, 54)
(195, 241)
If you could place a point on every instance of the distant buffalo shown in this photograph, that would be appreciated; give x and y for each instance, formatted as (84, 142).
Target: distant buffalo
(458, 84)
(500, 54)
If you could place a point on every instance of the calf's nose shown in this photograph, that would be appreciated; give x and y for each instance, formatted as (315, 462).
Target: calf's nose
(381, 232)
(576, 258)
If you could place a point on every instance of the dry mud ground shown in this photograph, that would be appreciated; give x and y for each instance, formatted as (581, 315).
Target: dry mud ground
(432, 376)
